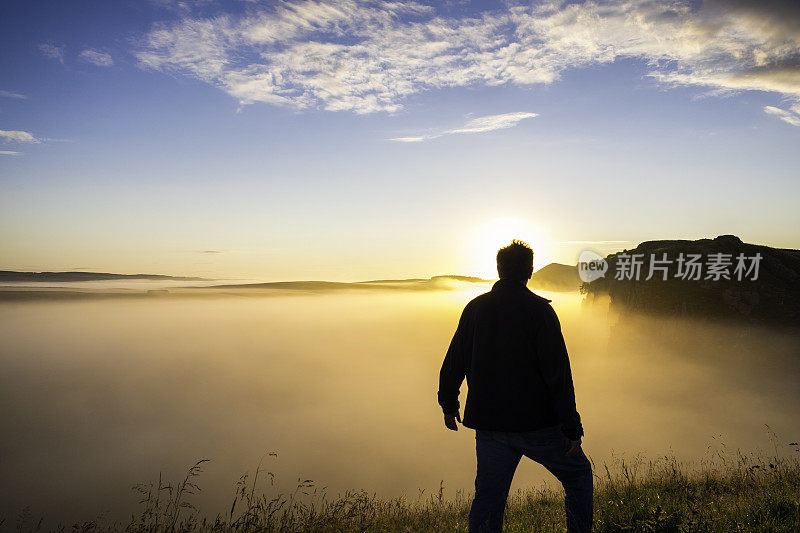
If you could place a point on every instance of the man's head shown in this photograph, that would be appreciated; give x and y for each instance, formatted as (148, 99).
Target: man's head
(515, 261)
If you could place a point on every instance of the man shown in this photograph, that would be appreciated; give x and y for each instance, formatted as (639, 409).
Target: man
(520, 399)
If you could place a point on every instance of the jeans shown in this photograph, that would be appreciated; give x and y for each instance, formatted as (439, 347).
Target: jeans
(499, 454)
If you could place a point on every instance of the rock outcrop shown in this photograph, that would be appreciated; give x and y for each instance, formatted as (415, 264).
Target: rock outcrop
(770, 295)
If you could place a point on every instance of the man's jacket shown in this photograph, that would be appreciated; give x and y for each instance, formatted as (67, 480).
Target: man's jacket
(509, 346)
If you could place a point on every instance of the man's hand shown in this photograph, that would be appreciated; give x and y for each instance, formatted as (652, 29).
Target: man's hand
(450, 420)
(572, 447)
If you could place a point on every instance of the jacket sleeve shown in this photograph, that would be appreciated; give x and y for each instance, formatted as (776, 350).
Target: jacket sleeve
(555, 369)
(454, 367)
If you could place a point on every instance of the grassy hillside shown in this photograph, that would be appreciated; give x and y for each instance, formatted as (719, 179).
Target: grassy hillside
(739, 493)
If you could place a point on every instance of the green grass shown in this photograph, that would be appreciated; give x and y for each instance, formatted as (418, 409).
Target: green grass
(739, 493)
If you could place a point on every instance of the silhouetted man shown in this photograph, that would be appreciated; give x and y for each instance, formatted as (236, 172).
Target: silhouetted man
(520, 398)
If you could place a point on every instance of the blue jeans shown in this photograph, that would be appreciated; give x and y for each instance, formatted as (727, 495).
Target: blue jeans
(499, 454)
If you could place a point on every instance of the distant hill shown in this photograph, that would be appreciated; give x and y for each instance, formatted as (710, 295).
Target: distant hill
(406, 284)
(556, 277)
(773, 298)
(13, 275)
(553, 277)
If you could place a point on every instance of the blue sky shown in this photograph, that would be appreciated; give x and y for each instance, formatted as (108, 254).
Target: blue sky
(271, 140)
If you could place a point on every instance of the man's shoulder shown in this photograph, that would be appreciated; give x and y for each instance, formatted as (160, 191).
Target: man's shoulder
(537, 301)
(478, 301)
(541, 308)
(540, 300)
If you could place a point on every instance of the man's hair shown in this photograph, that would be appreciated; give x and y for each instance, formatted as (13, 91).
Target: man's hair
(515, 261)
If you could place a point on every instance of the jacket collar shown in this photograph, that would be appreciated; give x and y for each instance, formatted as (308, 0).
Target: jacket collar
(508, 284)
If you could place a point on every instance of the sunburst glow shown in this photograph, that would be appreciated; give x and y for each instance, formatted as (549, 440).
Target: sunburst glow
(498, 232)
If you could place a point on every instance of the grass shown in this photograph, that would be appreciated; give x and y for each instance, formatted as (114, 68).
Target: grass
(739, 492)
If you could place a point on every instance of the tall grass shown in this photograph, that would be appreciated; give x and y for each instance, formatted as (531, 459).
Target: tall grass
(731, 492)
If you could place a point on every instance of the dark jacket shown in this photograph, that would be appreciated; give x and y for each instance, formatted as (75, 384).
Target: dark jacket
(509, 346)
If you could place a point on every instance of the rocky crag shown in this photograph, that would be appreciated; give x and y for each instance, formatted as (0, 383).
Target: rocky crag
(767, 293)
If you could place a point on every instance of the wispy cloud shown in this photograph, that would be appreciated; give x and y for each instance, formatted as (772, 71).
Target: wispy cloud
(9, 94)
(476, 125)
(18, 136)
(53, 51)
(180, 6)
(410, 139)
(786, 116)
(100, 59)
(9, 152)
(492, 122)
(366, 55)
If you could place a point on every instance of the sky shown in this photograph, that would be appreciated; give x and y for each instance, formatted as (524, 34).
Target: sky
(352, 140)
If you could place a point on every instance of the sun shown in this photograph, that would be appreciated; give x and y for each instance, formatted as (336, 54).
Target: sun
(496, 233)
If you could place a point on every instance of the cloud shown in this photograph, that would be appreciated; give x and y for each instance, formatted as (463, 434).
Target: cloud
(18, 136)
(100, 59)
(9, 94)
(476, 125)
(492, 123)
(366, 56)
(53, 51)
(786, 116)
(9, 152)
(410, 139)
(180, 6)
